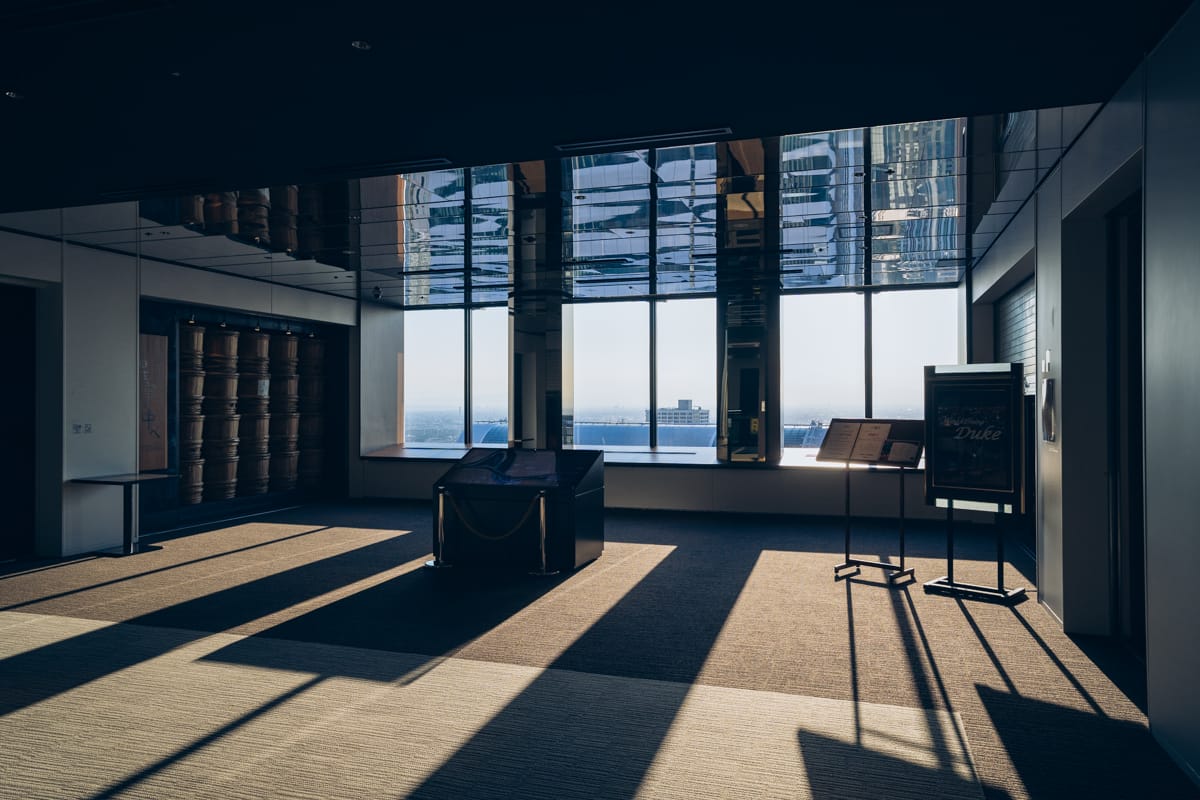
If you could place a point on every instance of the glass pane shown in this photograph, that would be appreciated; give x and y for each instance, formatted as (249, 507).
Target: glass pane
(433, 376)
(612, 373)
(821, 209)
(687, 373)
(909, 331)
(918, 182)
(606, 224)
(686, 242)
(822, 351)
(489, 376)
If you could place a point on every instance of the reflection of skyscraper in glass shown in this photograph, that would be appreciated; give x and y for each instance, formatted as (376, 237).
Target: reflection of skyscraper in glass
(821, 207)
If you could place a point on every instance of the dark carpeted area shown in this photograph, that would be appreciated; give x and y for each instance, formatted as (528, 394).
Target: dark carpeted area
(736, 602)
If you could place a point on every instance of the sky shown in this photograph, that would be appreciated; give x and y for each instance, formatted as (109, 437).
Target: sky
(821, 343)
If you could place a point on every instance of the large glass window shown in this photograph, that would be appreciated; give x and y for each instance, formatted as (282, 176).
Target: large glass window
(686, 372)
(489, 376)
(910, 330)
(433, 376)
(822, 363)
(612, 373)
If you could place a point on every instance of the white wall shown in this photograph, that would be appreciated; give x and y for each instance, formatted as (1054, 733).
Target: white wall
(87, 340)
(1172, 378)
(100, 341)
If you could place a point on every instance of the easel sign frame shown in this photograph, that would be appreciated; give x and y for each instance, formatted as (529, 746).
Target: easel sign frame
(973, 452)
(893, 443)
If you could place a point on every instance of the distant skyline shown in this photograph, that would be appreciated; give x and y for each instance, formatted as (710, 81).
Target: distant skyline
(821, 342)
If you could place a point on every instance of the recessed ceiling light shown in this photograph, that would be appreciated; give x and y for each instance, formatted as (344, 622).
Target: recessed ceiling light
(12, 94)
(359, 44)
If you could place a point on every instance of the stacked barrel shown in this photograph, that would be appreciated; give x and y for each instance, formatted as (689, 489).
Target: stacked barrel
(191, 420)
(312, 400)
(283, 217)
(254, 388)
(220, 414)
(253, 215)
(285, 411)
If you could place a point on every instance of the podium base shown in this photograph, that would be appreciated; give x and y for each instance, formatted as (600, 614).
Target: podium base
(990, 594)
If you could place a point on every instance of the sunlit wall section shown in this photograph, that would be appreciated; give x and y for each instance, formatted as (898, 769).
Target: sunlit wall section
(612, 387)
(434, 376)
(910, 330)
(606, 224)
(918, 195)
(686, 222)
(821, 209)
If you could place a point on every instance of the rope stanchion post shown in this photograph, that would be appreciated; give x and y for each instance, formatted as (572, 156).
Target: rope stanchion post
(541, 498)
(438, 561)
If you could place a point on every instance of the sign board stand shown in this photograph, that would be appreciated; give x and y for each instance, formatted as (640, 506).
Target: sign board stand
(946, 585)
(973, 426)
(875, 442)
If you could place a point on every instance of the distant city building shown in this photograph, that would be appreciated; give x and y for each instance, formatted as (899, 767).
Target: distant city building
(683, 414)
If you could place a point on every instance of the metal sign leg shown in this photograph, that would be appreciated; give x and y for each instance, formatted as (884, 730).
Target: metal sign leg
(438, 562)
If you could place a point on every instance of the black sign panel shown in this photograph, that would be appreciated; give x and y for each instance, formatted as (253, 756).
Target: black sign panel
(973, 433)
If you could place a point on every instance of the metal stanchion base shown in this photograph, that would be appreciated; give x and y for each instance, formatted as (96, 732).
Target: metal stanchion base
(971, 591)
(433, 563)
(893, 571)
(543, 572)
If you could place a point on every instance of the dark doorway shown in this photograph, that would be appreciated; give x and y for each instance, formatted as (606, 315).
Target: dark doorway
(17, 408)
(1125, 450)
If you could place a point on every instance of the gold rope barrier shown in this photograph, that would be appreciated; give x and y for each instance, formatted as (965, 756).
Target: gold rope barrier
(533, 503)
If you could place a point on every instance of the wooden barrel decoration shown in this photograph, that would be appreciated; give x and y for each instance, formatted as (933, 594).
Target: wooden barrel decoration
(191, 210)
(311, 391)
(284, 432)
(220, 477)
(308, 471)
(253, 473)
(285, 207)
(191, 391)
(253, 393)
(311, 351)
(221, 212)
(312, 431)
(254, 432)
(191, 435)
(283, 470)
(191, 347)
(191, 480)
(220, 385)
(253, 214)
(221, 428)
(285, 393)
(219, 406)
(221, 351)
(310, 238)
(254, 349)
(283, 354)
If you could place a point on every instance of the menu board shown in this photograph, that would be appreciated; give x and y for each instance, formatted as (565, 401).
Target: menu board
(891, 442)
(973, 425)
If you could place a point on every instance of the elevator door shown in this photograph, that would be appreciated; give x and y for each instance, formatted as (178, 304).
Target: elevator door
(1126, 452)
(17, 422)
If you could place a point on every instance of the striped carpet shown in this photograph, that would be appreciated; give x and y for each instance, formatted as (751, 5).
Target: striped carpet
(307, 654)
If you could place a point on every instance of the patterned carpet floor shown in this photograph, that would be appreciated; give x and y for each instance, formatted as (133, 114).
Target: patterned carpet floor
(308, 654)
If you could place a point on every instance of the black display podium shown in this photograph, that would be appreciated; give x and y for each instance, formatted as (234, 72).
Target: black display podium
(541, 510)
